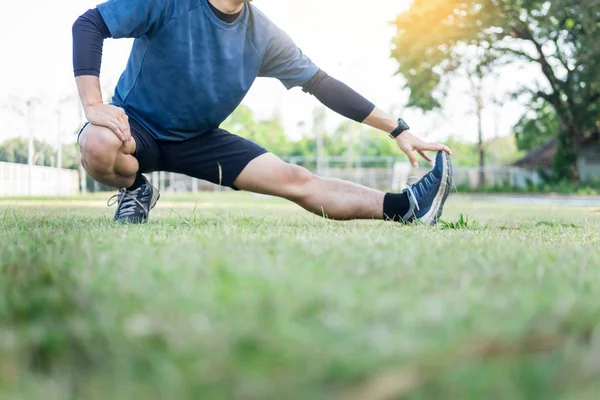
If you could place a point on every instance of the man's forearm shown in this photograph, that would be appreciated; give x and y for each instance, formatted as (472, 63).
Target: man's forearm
(342, 99)
(89, 90)
(100, 114)
(381, 120)
(338, 97)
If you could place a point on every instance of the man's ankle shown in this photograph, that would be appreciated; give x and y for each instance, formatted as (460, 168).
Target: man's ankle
(395, 206)
(137, 183)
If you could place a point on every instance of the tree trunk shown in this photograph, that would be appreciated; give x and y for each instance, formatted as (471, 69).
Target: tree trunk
(565, 159)
(476, 81)
(481, 149)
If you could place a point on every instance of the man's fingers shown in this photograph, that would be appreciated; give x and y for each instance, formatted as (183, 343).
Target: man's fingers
(436, 147)
(425, 156)
(412, 159)
(117, 130)
(446, 149)
(125, 128)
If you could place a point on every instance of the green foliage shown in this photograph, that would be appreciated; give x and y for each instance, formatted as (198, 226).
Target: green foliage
(349, 138)
(464, 154)
(500, 151)
(16, 151)
(503, 150)
(537, 126)
(71, 156)
(268, 133)
(463, 222)
(437, 38)
(564, 161)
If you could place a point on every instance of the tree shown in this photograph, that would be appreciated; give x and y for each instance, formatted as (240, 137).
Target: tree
(318, 127)
(562, 37)
(476, 83)
(17, 151)
(71, 156)
(500, 151)
(537, 126)
(269, 133)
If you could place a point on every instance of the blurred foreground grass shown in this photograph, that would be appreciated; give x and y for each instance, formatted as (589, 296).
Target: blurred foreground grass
(236, 296)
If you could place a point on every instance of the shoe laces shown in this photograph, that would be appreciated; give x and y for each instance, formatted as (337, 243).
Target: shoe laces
(412, 181)
(126, 201)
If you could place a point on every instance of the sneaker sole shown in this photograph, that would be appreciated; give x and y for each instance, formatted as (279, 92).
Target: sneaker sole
(447, 193)
(155, 197)
(435, 212)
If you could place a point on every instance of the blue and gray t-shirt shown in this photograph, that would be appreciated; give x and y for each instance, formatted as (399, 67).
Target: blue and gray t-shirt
(193, 67)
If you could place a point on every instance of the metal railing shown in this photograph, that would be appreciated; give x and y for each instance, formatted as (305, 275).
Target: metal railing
(383, 173)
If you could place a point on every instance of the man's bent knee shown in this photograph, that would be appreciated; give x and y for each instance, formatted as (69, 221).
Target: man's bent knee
(99, 148)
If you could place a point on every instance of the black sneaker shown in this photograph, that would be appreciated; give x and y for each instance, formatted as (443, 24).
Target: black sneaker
(428, 195)
(133, 206)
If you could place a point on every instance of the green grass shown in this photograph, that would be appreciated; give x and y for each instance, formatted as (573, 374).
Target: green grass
(231, 296)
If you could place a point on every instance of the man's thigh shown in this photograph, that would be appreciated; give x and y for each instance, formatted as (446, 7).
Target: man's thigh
(216, 156)
(268, 174)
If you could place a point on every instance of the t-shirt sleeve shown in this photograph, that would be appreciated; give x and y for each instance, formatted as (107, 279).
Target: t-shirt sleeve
(283, 60)
(135, 18)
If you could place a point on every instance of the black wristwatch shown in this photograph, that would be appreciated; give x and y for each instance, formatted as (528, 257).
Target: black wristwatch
(402, 126)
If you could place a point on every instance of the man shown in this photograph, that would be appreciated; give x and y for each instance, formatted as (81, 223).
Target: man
(192, 63)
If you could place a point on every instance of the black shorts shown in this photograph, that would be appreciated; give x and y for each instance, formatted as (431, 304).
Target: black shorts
(216, 156)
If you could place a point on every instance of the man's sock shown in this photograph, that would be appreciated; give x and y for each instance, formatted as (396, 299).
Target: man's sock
(139, 181)
(395, 206)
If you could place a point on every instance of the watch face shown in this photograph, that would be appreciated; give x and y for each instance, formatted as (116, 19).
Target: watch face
(402, 125)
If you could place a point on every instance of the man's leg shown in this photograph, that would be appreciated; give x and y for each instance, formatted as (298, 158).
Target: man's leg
(106, 159)
(230, 160)
(111, 163)
(334, 198)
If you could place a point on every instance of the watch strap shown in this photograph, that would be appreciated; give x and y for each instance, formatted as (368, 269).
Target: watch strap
(402, 126)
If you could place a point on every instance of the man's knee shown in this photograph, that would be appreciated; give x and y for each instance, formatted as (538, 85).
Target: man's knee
(297, 181)
(99, 148)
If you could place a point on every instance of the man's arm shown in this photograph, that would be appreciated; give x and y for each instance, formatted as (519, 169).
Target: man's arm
(116, 19)
(342, 99)
(89, 32)
(338, 97)
(98, 113)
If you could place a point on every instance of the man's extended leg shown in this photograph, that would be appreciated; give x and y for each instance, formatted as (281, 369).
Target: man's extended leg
(334, 198)
(343, 200)
(230, 160)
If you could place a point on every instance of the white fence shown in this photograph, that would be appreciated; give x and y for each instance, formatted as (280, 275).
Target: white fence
(493, 176)
(391, 173)
(384, 173)
(26, 180)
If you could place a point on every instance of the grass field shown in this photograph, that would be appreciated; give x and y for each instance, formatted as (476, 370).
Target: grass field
(230, 296)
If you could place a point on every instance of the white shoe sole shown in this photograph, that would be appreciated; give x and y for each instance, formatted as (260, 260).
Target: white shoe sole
(155, 198)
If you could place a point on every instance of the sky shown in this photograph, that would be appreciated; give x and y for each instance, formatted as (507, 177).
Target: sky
(349, 39)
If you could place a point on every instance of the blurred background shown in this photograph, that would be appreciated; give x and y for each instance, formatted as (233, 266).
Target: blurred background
(512, 86)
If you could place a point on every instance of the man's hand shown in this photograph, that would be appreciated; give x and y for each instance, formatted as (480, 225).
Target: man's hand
(409, 143)
(114, 118)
